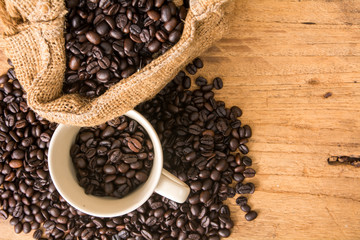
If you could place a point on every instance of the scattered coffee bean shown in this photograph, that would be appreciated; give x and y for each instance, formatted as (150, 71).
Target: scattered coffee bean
(198, 63)
(241, 200)
(245, 208)
(200, 81)
(251, 215)
(191, 69)
(218, 83)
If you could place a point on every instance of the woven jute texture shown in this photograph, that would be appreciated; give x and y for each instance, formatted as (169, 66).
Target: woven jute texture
(32, 34)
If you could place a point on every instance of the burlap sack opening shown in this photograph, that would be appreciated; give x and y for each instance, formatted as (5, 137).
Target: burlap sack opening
(33, 38)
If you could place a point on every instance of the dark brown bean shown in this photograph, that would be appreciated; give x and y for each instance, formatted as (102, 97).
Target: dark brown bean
(251, 215)
(93, 37)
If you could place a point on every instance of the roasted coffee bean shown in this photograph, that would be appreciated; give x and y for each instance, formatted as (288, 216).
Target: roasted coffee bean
(38, 234)
(93, 37)
(26, 227)
(74, 63)
(175, 36)
(245, 208)
(154, 15)
(241, 200)
(16, 163)
(3, 214)
(134, 145)
(18, 228)
(218, 83)
(165, 13)
(200, 81)
(249, 173)
(247, 188)
(154, 46)
(248, 132)
(102, 28)
(103, 76)
(251, 215)
(246, 161)
(198, 63)
(162, 36)
(191, 68)
(244, 149)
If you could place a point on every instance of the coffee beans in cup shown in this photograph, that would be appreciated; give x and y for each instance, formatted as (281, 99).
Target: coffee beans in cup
(107, 41)
(112, 159)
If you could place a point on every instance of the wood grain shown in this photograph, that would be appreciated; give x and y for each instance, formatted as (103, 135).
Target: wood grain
(277, 63)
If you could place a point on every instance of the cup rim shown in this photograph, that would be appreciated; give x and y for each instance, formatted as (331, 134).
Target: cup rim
(146, 189)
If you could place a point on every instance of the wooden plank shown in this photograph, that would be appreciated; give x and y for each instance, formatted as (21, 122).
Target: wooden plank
(277, 69)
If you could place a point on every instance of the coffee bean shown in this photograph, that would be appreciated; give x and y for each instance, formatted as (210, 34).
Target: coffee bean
(74, 63)
(191, 68)
(162, 36)
(165, 13)
(251, 215)
(249, 173)
(171, 24)
(241, 200)
(18, 228)
(186, 83)
(218, 83)
(93, 67)
(198, 63)
(154, 46)
(102, 28)
(38, 234)
(54, 212)
(103, 76)
(175, 36)
(246, 161)
(200, 81)
(16, 163)
(245, 208)
(93, 37)
(247, 188)
(234, 144)
(3, 214)
(134, 145)
(18, 154)
(135, 29)
(248, 132)
(205, 196)
(4, 79)
(244, 149)
(26, 227)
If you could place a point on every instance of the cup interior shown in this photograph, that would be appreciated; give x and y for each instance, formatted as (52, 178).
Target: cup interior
(64, 177)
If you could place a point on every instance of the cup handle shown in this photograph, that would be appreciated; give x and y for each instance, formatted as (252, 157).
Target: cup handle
(172, 188)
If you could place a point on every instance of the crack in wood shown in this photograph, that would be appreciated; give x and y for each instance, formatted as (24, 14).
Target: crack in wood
(344, 160)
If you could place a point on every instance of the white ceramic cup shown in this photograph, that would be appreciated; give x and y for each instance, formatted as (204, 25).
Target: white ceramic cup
(64, 178)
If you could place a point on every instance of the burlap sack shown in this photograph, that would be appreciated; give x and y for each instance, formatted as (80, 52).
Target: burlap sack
(33, 38)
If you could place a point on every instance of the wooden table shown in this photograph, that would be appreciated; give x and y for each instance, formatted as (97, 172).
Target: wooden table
(277, 63)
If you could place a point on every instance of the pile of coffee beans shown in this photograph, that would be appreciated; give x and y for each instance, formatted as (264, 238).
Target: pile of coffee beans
(198, 135)
(112, 159)
(108, 40)
(204, 145)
